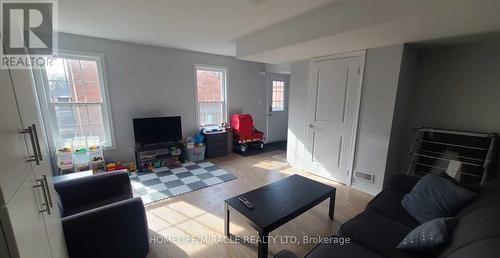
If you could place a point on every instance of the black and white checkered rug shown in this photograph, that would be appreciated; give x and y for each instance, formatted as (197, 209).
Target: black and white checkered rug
(163, 183)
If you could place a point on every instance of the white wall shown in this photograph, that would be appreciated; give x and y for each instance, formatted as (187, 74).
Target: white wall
(154, 81)
(344, 26)
(457, 87)
(377, 108)
(449, 87)
(4, 251)
(297, 113)
(376, 113)
(279, 68)
(401, 132)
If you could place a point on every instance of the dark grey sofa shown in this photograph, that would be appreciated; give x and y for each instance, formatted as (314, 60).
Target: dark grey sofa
(100, 217)
(378, 230)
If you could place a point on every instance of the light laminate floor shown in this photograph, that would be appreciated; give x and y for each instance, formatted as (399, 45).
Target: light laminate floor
(192, 225)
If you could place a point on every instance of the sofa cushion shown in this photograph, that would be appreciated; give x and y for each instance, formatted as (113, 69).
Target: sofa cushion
(483, 248)
(87, 191)
(435, 197)
(285, 254)
(338, 251)
(97, 204)
(489, 194)
(403, 183)
(480, 225)
(431, 235)
(388, 203)
(376, 233)
(472, 188)
(116, 230)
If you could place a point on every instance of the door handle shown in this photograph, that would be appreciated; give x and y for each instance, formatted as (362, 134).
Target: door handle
(45, 203)
(49, 197)
(37, 142)
(35, 157)
(311, 126)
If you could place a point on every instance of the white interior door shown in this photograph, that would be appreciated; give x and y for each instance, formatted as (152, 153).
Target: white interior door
(277, 102)
(333, 106)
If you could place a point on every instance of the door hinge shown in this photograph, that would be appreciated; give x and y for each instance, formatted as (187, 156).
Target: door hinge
(359, 70)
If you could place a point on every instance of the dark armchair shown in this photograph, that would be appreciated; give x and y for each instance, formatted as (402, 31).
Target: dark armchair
(100, 217)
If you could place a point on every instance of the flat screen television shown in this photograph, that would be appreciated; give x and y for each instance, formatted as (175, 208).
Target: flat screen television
(157, 130)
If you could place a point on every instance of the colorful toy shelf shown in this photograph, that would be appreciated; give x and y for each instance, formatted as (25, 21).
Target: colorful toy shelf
(80, 154)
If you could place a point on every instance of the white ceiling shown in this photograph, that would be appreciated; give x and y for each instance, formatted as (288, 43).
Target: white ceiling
(362, 24)
(210, 26)
(277, 31)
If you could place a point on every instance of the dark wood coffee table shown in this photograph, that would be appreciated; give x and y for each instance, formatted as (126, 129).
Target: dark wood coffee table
(277, 203)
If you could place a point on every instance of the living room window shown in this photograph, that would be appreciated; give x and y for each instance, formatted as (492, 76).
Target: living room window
(211, 94)
(75, 93)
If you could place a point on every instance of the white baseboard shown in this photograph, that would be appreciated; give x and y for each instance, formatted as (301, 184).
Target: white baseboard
(365, 189)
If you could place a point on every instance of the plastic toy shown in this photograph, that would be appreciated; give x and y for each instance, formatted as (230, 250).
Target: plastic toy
(174, 151)
(95, 159)
(114, 166)
(131, 166)
(244, 132)
(66, 163)
(65, 150)
(110, 167)
(198, 138)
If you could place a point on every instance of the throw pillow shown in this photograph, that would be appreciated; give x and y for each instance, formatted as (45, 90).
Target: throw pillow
(472, 188)
(435, 197)
(429, 236)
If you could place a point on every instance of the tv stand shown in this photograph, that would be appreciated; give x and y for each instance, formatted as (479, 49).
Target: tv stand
(157, 155)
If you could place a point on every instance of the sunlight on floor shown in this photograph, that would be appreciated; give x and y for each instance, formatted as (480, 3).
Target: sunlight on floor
(199, 215)
(271, 164)
(180, 223)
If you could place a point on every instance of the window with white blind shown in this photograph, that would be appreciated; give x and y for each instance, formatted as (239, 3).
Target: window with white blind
(76, 99)
(211, 95)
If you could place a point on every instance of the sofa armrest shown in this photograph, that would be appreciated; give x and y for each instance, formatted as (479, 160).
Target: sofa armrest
(116, 230)
(403, 183)
(82, 192)
(285, 254)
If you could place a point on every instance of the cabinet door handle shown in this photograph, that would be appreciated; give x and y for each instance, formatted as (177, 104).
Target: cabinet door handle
(45, 204)
(48, 190)
(37, 142)
(35, 156)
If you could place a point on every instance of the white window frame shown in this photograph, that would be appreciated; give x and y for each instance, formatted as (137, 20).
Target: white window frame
(215, 68)
(285, 91)
(50, 117)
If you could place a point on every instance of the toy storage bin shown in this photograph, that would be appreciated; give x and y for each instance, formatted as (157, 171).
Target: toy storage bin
(195, 154)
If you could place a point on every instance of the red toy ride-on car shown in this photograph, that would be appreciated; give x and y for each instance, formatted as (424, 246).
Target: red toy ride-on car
(244, 133)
